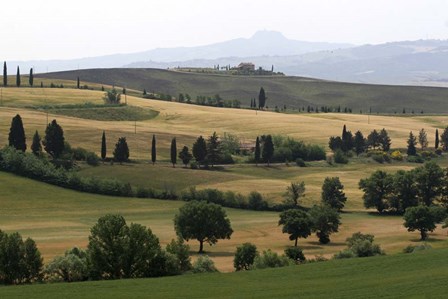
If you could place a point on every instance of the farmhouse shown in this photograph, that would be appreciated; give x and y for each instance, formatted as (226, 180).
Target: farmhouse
(246, 66)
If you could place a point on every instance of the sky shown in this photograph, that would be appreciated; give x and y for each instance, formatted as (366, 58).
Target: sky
(73, 29)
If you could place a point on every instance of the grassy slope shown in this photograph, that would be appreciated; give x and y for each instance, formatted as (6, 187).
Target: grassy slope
(290, 91)
(418, 275)
(58, 219)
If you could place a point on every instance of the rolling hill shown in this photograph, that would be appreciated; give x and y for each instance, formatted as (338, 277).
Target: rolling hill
(294, 92)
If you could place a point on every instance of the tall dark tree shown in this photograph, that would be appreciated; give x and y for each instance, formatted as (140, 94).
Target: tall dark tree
(18, 77)
(17, 137)
(384, 140)
(444, 139)
(173, 152)
(103, 146)
(268, 149)
(31, 78)
(5, 74)
(78, 83)
(257, 154)
(213, 149)
(153, 149)
(36, 147)
(54, 139)
(412, 142)
(373, 139)
(261, 98)
(359, 143)
(185, 156)
(325, 222)
(333, 193)
(121, 152)
(436, 143)
(423, 139)
(200, 150)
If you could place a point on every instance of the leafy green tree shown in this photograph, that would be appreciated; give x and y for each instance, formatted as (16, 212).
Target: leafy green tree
(18, 77)
(444, 139)
(117, 250)
(103, 146)
(423, 219)
(404, 191)
(36, 147)
(268, 149)
(360, 245)
(31, 78)
(205, 222)
(428, 182)
(173, 152)
(294, 192)
(412, 142)
(335, 143)
(257, 154)
(377, 189)
(326, 221)
(296, 223)
(5, 74)
(436, 143)
(153, 149)
(213, 149)
(333, 193)
(261, 98)
(33, 261)
(185, 156)
(121, 152)
(384, 140)
(54, 142)
(200, 150)
(359, 143)
(423, 139)
(245, 256)
(17, 138)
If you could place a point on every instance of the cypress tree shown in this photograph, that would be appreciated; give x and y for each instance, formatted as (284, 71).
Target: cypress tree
(18, 77)
(268, 149)
(412, 142)
(17, 137)
(54, 139)
(31, 78)
(173, 152)
(5, 74)
(36, 147)
(78, 83)
(103, 146)
(436, 145)
(261, 98)
(257, 151)
(121, 152)
(153, 149)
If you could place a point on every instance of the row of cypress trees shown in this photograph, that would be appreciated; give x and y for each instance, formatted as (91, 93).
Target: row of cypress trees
(18, 80)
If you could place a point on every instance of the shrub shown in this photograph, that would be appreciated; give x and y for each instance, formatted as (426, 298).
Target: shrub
(427, 155)
(182, 252)
(378, 158)
(245, 256)
(397, 155)
(194, 165)
(204, 265)
(438, 152)
(79, 154)
(92, 159)
(256, 202)
(345, 254)
(300, 162)
(295, 254)
(269, 259)
(415, 159)
(339, 157)
(68, 268)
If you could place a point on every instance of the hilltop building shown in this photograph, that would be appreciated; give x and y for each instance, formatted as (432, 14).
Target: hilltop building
(246, 66)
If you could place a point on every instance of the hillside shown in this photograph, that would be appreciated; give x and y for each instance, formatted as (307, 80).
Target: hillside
(418, 275)
(294, 92)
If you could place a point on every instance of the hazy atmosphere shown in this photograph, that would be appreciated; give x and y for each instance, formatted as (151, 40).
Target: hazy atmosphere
(62, 29)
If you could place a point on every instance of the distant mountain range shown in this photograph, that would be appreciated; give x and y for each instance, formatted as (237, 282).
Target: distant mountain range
(422, 62)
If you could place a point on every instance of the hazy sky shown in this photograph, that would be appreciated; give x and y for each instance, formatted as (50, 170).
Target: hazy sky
(71, 29)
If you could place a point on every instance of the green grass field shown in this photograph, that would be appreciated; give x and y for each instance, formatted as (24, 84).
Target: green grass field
(417, 275)
(291, 91)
